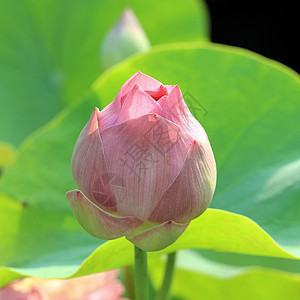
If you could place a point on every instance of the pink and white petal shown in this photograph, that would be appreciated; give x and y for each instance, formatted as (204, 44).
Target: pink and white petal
(162, 100)
(87, 160)
(11, 291)
(88, 166)
(176, 110)
(148, 153)
(192, 191)
(111, 291)
(108, 115)
(136, 104)
(158, 237)
(144, 81)
(96, 221)
(91, 287)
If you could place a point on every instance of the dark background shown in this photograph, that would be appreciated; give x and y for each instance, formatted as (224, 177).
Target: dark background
(265, 27)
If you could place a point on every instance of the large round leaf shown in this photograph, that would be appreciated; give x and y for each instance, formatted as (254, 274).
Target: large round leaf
(195, 277)
(235, 95)
(249, 108)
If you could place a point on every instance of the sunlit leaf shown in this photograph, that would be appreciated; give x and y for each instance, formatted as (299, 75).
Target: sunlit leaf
(7, 154)
(222, 282)
(238, 97)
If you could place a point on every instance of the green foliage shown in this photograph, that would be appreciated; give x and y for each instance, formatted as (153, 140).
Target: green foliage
(195, 277)
(248, 106)
(49, 52)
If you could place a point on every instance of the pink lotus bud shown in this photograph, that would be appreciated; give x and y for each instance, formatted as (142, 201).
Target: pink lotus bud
(144, 166)
(126, 38)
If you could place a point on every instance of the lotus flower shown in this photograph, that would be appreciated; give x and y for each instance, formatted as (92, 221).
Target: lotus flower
(144, 167)
(92, 287)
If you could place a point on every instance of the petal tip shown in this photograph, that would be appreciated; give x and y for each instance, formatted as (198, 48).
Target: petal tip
(73, 194)
(136, 87)
(96, 111)
(152, 117)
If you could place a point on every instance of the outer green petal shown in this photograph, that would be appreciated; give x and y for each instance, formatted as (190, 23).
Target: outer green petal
(158, 237)
(96, 221)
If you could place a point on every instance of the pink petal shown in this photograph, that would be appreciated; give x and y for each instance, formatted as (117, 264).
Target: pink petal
(158, 237)
(108, 115)
(148, 154)
(112, 291)
(162, 100)
(136, 104)
(176, 110)
(89, 169)
(9, 292)
(96, 221)
(91, 287)
(191, 193)
(144, 81)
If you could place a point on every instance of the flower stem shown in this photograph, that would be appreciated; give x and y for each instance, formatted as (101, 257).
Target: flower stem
(165, 288)
(129, 281)
(141, 279)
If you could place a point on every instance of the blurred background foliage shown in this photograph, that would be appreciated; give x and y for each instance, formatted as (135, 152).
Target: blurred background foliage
(49, 52)
(49, 65)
